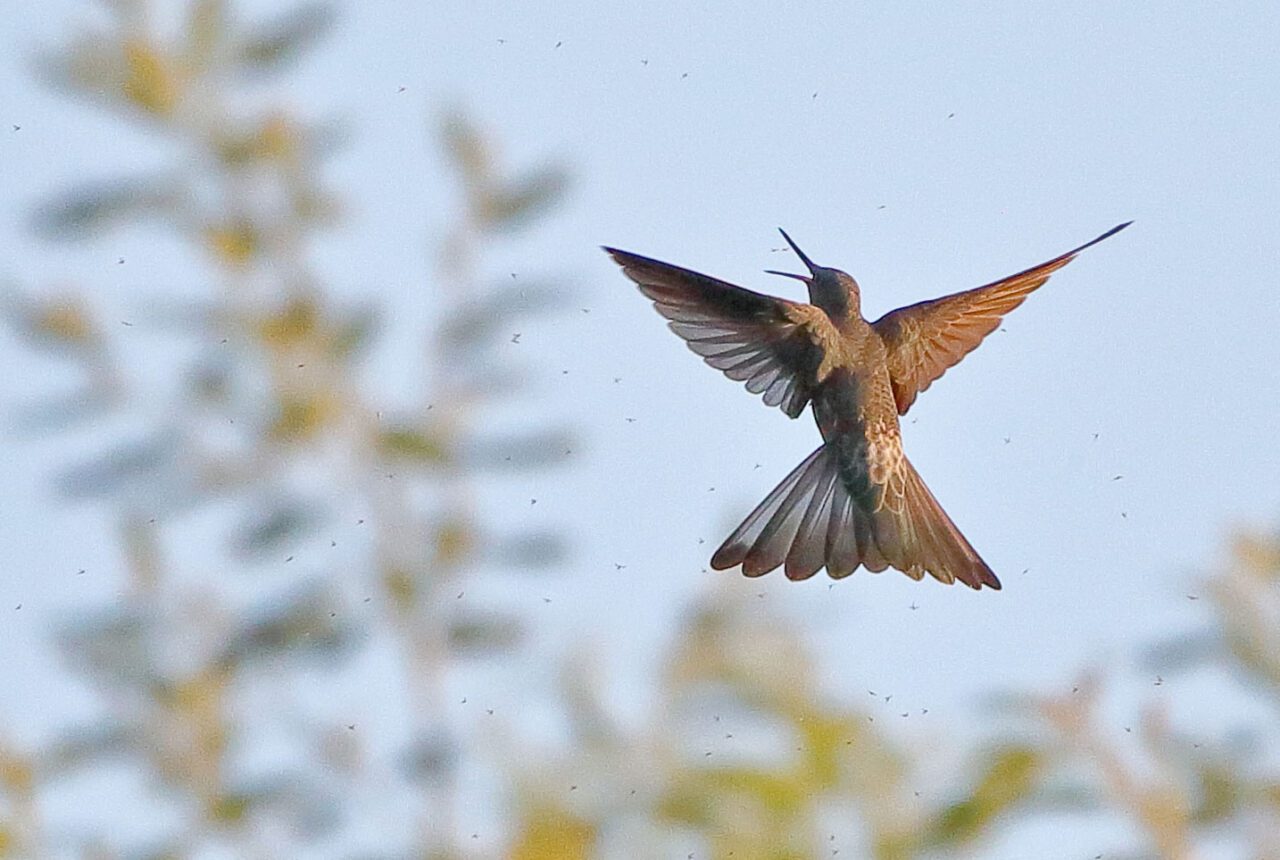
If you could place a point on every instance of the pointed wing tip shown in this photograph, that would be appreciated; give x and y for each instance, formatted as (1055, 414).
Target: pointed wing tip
(1107, 235)
(987, 577)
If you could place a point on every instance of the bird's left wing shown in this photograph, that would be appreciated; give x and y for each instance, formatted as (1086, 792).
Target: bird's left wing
(773, 345)
(925, 339)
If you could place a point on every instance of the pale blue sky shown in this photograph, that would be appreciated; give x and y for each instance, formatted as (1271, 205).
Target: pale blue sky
(925, 148)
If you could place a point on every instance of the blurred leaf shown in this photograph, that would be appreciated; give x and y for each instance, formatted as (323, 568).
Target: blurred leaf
(65, 323)
(1219, 794)
(119, 467)
(468, 150)
(17, 774)
(779, 794)
(273, 525)
(824, 740)
(301, 417)
(314, 207)
(1008, 778)
(354, 333)
(485, 635)
(230, 808)
(454, 541)
(206, 30)
(514, 204)
(686, 803)
(551, 834)
(233, 243)
(92, 208)
(151, 82)
(112, 646)
(295, 796)
(168, 850)
(273, 138)
(497, 204)
(273, 46)
(533, 549)
(303, 624)
(406, 443)
(210, 380)
(1258, 556)
(141, 545)
(430, 758)
(88, 746)
(402, 587)
(296, 322)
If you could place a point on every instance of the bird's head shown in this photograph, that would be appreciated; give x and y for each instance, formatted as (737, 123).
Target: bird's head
(834, 291)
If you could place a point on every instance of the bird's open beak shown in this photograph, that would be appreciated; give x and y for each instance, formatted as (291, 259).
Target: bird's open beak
(804, 278)
(801, 254)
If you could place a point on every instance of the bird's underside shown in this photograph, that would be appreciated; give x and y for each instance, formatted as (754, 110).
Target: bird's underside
(856, 500)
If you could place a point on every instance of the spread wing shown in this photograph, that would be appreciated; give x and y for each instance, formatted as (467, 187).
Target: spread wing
(771, 344)
(925, 339)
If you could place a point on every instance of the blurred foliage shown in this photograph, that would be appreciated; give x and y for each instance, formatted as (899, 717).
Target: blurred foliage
(269, 428)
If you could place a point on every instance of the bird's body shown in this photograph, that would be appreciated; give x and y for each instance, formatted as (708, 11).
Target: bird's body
(856, 499)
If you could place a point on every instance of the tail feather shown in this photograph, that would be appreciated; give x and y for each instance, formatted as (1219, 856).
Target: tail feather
(845, 547)
(808, 550)
(812, 520)
(755, 531)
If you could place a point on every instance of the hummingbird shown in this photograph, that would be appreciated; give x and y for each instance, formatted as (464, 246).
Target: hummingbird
(856, 500)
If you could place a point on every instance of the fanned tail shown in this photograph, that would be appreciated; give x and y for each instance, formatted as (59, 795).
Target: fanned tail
(813, 519)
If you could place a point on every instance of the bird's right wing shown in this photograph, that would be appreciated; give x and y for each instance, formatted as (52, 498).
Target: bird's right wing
(925, 339)
(774, 345)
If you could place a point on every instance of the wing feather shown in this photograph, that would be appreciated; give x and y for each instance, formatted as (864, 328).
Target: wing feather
(771, 344)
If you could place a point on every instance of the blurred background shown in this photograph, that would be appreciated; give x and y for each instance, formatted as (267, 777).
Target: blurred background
(356, 506)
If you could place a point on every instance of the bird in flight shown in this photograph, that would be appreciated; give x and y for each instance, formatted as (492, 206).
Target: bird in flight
(856, 500)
